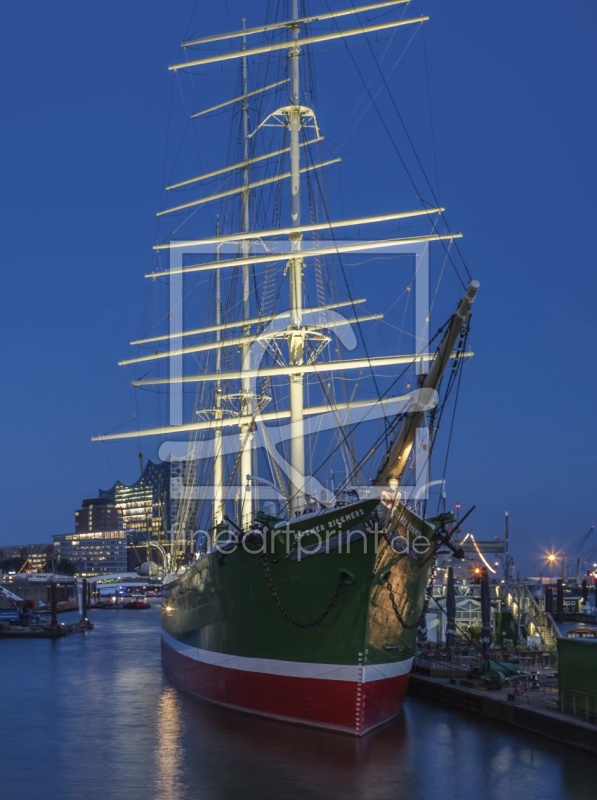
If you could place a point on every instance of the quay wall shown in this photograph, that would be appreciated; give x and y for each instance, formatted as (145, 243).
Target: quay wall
(554, 725)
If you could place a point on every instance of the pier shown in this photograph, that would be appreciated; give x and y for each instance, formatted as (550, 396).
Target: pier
(42, 631)
(530, 700)
(23, 620)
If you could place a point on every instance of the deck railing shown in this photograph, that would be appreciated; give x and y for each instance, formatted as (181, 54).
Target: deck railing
(582, 705)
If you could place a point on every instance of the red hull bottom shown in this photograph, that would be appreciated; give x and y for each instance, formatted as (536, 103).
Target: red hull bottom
(345, 706)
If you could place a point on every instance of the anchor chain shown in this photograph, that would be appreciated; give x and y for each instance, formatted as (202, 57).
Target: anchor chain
(380, 552)
(399, 616)
(283, 611)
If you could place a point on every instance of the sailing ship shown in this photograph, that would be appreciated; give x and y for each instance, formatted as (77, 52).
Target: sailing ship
(303, 547)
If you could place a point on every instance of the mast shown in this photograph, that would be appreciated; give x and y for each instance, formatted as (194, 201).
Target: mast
(218, 509)
(295, 264)
(244, 497)
(395, 462)
(507, 546)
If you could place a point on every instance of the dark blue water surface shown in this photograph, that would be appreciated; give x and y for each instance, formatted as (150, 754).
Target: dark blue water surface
(92, 716)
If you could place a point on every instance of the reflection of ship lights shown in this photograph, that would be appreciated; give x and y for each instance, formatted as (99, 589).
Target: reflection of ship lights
(167, 754)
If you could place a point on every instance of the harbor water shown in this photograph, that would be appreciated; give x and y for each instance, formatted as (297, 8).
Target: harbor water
(91, 715)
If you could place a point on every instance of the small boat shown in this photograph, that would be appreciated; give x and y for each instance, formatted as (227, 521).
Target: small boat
(582, 632)
(104, 604)
(306, 536)
(136, 603)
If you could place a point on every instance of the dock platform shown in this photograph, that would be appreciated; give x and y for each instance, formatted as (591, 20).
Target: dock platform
(44, 631)
(518, 705)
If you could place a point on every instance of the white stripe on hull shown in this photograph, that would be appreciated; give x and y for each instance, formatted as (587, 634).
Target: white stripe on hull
(293, 669)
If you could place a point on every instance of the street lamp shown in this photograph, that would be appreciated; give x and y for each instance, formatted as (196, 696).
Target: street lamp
(551, 558)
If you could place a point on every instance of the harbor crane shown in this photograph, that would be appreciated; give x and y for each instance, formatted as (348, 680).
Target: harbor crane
(12, 598)
(581, 550)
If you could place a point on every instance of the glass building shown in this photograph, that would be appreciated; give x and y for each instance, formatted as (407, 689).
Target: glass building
(151, 507)
(94, 552)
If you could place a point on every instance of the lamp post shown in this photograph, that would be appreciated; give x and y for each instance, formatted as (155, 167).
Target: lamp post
(551, 558)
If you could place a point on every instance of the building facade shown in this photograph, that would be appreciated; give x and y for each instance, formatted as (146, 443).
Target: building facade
(99, 544)
(159, 503)
(99, 514)
(36, 556)
(94, 552)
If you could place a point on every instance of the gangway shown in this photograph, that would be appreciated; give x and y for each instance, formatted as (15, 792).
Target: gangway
(523, 605)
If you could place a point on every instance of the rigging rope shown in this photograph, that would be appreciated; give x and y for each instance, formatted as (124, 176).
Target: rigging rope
(406, 133)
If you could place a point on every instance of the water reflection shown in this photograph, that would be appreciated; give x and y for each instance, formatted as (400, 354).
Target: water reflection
(96, 710)
(167, 753)
(279, 760)
(426, 753)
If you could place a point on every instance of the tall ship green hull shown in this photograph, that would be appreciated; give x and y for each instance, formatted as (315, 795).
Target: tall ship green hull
(318, 629)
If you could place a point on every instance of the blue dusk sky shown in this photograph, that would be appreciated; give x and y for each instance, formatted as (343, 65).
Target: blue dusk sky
(85, 99)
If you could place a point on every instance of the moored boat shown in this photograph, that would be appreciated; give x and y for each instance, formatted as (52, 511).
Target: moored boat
(293, 594)
(136, 604)
(582, 632)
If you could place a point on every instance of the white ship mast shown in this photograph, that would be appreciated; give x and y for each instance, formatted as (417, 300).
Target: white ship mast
(296, 340)
(219, 504)
(245, 501)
